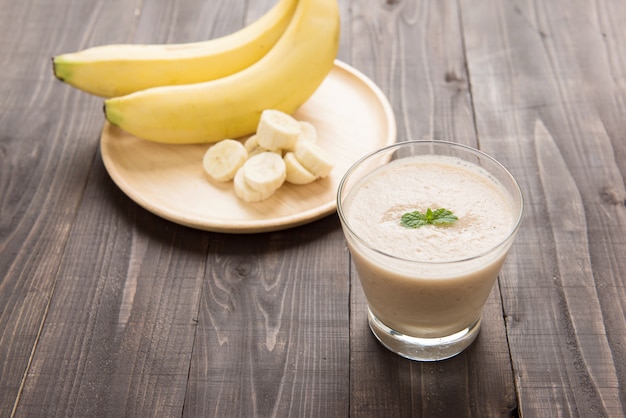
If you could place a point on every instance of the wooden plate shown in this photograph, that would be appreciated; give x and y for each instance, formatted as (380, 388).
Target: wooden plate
(352, 118)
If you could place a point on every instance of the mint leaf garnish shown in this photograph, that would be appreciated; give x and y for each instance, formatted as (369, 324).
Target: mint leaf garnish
(417, 219)
(413, 220)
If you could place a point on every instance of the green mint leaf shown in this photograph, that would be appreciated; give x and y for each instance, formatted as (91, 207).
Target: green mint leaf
(443, 216)
(429, 216)
(417, 219)
(413, 220)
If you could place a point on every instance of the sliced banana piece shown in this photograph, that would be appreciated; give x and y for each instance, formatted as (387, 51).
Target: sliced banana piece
(296, 172)
(307, 132)
(277, 130)
(251, 143)
(265, 172)
(313, 158)
(282, 150)
(245, 192)
(223, 159)
(253, 147)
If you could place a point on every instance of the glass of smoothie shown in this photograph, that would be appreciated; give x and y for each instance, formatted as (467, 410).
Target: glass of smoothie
(428, 225)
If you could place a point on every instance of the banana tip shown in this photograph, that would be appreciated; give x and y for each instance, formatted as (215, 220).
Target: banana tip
(112, 117)
(55, 69)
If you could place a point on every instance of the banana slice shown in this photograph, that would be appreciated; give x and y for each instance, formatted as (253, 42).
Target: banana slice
(265, 172)
(252, 146)
(245, 192)
(277, 130)
(251, 143)
(224, 158)
(313, 158)
(307, 132)
(296, 173)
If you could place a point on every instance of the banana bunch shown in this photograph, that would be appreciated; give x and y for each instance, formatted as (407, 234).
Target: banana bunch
(282, 150)
(229, 106)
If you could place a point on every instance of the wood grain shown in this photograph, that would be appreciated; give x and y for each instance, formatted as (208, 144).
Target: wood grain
(418, 59)
(533, 90)
(271, 343)
(109, 322)
(108, 310)
(120, 327)
(47, 146)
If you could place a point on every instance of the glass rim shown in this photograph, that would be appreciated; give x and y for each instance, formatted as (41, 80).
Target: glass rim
(519, 195)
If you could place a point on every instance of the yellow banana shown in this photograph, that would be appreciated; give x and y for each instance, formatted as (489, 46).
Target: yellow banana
(117, 70)
(231, 107)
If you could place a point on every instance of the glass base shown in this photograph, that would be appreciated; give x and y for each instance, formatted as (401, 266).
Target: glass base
(423, 349)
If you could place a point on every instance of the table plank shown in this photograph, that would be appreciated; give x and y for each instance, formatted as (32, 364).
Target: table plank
(272, 335)
(47, 144)
(544, 79)
(107, 310)
(414, 51)
(118, 333)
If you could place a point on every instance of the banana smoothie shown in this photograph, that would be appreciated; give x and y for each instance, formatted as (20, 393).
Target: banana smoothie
(428, 235)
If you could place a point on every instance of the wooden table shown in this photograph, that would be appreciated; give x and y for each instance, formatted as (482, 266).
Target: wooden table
(108, 310)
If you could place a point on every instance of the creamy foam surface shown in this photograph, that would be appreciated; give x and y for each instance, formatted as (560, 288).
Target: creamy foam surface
(484, 208)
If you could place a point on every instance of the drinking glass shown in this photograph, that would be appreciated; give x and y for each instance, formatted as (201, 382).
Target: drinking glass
(425, 310)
